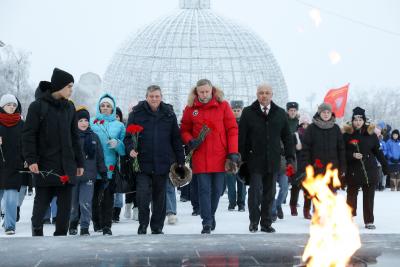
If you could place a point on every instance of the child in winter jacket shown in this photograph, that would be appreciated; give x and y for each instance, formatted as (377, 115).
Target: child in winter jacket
(82, 192)
(392, 154)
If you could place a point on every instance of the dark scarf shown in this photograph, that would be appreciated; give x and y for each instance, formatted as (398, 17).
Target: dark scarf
(324, 124)
(88, 147)
(10, 120)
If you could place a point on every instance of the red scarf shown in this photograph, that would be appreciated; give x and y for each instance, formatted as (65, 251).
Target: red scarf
(9, 120)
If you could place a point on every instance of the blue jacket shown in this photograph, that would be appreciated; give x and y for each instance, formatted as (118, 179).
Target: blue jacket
(392, 153)
(110, 129)
(160, 143)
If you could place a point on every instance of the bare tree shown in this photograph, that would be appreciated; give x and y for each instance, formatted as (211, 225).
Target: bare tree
(14, 75)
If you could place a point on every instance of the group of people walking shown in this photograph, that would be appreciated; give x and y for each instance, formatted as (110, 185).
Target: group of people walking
(76, 158)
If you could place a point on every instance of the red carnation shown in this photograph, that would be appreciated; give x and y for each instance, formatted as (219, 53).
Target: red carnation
(134, 129)
(111, 168)
(102, 122)
(289, 170)
(64, 179)
(318, 164)
(95, 121)
(354, 142)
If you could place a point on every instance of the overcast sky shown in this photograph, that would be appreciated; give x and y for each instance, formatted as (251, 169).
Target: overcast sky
(82, 35)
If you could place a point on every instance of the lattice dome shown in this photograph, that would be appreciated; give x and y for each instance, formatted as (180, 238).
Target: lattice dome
(193, 43)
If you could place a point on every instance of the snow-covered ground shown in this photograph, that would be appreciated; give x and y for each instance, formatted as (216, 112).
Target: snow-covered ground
(387, 219)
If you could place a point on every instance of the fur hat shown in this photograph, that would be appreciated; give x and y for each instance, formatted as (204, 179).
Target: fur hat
(8, 98)
(324, 106)
(360, 113)
(60, 79)
(290, 105)
(237, 104)
(180, 179)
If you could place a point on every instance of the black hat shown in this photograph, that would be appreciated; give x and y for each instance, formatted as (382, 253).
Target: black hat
(395, 132)
(237, 104)
(60, 79)
(359, 112)
(81, 113)
(290, 105)
(119, 113)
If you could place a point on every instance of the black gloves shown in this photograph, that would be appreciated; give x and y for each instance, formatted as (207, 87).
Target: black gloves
(193, 144)
(235, 157)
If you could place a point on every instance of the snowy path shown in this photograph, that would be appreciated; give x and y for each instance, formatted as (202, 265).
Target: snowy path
(387, 219)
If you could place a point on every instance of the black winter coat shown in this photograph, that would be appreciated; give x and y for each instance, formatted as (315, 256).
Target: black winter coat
(93, 166)
(10, 178)
(324, 144)
(160, 143)
(260, 138)
(51, 139)
(370, 149)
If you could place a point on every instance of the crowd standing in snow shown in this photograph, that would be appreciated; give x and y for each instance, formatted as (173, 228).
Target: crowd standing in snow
(81, 168)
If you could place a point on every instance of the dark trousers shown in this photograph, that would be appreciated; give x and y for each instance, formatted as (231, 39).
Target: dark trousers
(211, 186)
(151, 188)
(43, 197)
(261, 192)
(131, 198)
(102, 208)
(368, 200)
(194, 193)
(294, 197)
(236, 197)
(185, 192)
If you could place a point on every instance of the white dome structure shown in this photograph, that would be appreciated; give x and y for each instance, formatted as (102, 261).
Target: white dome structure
(193, 43)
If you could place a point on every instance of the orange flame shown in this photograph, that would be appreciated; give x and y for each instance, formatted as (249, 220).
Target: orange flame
(334, 237)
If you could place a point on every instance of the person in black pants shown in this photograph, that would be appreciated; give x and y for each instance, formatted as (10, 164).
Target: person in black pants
(262, 128)
(159, 146)
(50, 144)
(358, 175)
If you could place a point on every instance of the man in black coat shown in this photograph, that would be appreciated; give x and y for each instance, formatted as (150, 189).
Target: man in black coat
(51, 149)
(262, 128)
(160, 146)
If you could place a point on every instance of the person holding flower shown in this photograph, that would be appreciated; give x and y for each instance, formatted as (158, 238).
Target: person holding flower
(210, 130)
(362, 152)
(50, 145)
(154, 143)
(111, 133)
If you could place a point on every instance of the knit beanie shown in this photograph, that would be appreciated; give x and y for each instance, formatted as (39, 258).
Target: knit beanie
(82, 113)
(8, 98)
(323, 107)
(60, 79)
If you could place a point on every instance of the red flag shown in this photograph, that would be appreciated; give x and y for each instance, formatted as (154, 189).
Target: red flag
(338, 99)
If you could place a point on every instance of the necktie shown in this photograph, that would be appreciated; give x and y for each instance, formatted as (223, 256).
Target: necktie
(265, 111)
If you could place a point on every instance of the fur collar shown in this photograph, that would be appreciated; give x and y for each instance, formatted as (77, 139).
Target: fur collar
(217, 94)
(369, 128)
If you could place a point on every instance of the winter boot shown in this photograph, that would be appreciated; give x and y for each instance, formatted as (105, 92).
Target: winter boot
(107, 231)
(37, 231)
(142, 230)
(293, 210)
(279, 212)
(116, 213)
(18, 216)
(206, 229)
(128, 210)
(241, 208)
(172, 218)
(73, 228)
(306, 213)
(85, 232)
(214, 224)
(231, 207)
(97, 227)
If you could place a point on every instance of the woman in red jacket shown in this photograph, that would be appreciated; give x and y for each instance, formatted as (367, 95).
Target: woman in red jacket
(207, 107)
